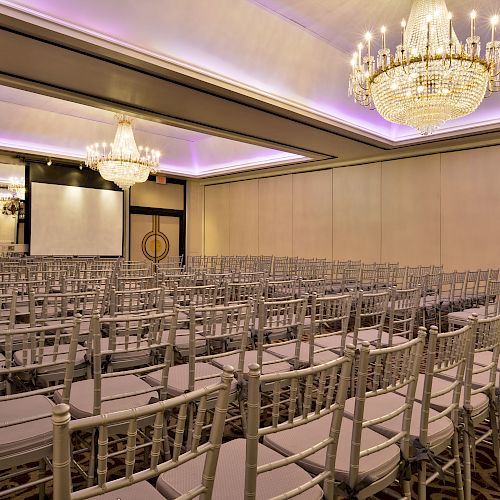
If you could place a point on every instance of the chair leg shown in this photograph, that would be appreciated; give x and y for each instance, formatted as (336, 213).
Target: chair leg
(467, 464)
(92, 460)
(41, 473)
(422, 480)
(495, 439)
(459, 486)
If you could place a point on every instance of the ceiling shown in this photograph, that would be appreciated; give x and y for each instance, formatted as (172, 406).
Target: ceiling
(256, 82)
(34, 123)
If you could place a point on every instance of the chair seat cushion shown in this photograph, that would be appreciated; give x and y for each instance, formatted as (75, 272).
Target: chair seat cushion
(441, 430)
(124, 351)
(371, 336)
(230, 478)
(333, 342)
(272, 364)
(479, 402)
(18, 438)
(463, 316)
(48, 357)
(372, 467)
(288, 351)
(478, 379)
(82, 395)
(138, 491)
(178, 378)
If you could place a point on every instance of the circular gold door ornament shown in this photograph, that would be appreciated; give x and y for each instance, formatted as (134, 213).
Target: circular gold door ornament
(155, 244)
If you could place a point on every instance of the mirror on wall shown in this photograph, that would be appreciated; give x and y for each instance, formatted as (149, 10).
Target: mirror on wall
(12, 196)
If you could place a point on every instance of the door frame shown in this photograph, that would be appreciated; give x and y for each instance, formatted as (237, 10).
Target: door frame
(167, 212)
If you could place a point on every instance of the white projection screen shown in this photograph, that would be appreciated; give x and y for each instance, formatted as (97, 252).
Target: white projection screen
(68, 220)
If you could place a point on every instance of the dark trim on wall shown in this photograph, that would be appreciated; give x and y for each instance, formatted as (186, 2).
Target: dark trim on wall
(27, 207)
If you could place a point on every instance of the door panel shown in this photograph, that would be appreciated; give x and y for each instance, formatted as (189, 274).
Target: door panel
(153, 237)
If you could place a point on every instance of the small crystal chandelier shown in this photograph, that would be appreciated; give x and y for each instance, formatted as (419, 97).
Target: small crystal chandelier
(17, 187)
(123, 162)
(431, 78)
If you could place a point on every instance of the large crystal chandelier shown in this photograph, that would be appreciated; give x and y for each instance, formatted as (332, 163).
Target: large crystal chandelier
(123, 162)
(17, 187)
(431, 78)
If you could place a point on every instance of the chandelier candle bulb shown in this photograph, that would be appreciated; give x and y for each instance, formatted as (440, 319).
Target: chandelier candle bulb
(494, 22)
(473, 16)
(383, 30)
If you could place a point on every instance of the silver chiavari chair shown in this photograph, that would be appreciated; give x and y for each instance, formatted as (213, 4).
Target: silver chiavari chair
(203, 454)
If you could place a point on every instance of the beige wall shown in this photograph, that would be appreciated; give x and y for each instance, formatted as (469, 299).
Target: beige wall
(442, 208)
(150, 194)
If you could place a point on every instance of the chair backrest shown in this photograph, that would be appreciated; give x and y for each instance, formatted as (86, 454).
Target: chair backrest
(324, 394)
(50, 350)
(280, 289)
(310, 286)
(199, 295)
(492, 299)
(142, 301)
(380, 372)
(224, 329)
(242, 292)
(485, 339)
(50, 306)
(8, 310)
(280, 318)
(64, 428)
(371, 310)
(402, 309)
(329, 316)
(445, 351)
(151, 351)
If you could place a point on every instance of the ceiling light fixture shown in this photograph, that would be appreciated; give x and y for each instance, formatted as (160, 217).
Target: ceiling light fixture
(17, 188)
(122, 162)
(431, 78)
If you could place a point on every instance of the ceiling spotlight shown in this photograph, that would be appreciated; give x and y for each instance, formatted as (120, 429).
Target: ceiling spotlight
(81, 166)
(49, 162)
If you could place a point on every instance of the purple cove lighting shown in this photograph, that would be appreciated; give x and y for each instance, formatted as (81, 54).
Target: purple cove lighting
(192, 169)
(156, 33)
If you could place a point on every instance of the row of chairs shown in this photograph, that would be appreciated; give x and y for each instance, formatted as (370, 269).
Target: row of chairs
(275, 319)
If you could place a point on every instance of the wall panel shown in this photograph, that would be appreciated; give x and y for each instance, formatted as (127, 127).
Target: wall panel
(244, 217)
(471, 209)
(275, 215)
(151, 194)
(216, 232)
(356, 213)
(195, 218)
(411, 223)
(313, 214)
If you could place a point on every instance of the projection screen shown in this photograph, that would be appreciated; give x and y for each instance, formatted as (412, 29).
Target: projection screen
(68, 220)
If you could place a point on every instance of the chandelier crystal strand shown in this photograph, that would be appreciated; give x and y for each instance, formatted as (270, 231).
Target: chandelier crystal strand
(17, 187)
(122, 162)
(431, 77)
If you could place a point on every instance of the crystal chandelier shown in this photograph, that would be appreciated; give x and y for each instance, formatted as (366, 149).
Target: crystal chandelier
(123, 162)
(431, 78)
(16, 186)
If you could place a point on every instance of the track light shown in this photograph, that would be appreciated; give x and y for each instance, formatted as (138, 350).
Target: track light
(49, 162)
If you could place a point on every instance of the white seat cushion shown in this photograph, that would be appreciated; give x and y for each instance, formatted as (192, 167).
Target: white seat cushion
(82, 395)
(48, 357)
(439, 431)
(372, 467)
(139, 491)
(19, 438)
(178, 378)
(288, 351)
(230, 477)
(251, 357)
